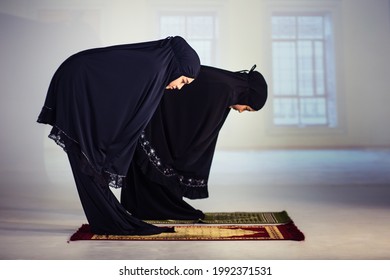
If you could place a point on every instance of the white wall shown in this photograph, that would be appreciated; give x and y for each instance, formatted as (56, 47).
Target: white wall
(366, 45)
(33, 44)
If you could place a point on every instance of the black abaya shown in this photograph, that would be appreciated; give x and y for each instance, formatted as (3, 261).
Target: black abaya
(98, 102)
(174, 154)
(103, 211)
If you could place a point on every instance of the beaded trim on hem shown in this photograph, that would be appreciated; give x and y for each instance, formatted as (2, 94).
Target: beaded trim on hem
(112, 180)
(166, 170)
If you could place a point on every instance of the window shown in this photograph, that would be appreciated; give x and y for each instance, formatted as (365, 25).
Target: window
(198, 29)
(303, 63)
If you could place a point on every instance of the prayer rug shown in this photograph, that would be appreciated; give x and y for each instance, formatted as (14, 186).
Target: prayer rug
(205, 233)
(234, 218)
(216, 226)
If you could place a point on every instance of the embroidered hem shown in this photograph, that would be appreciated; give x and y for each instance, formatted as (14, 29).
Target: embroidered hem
(148, 158)
(104, 178)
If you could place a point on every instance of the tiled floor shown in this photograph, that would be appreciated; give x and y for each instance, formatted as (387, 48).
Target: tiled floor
(340, 199)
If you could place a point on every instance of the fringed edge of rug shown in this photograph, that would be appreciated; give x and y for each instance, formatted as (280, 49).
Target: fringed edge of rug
(291, 232)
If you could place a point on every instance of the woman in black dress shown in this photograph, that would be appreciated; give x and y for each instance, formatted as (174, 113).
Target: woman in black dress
(99, 101)
(175, 151)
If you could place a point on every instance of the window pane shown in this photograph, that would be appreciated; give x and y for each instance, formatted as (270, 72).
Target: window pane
(310, 27)
(319, 68)
(283, 27)
(313, 111)
(305, 68)
(284, 68)
(200, 27)
(286, 111)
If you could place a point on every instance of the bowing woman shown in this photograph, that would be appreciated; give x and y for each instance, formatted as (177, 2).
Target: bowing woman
(175, 151)
(99, 101)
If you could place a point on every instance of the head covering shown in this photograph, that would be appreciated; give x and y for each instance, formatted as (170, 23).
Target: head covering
(101, 99)
(177, 147)
(251, 90)
(188, 63)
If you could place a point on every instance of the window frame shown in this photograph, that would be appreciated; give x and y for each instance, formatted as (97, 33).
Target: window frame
(333, 10)
(297, 96)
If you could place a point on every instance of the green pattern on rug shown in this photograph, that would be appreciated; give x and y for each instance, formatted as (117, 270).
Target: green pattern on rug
(233, 218)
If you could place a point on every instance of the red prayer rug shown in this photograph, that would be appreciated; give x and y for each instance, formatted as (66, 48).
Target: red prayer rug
(287, 231)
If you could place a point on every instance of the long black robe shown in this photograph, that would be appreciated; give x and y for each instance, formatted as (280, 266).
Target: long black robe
(98, 102)
(175, 152)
